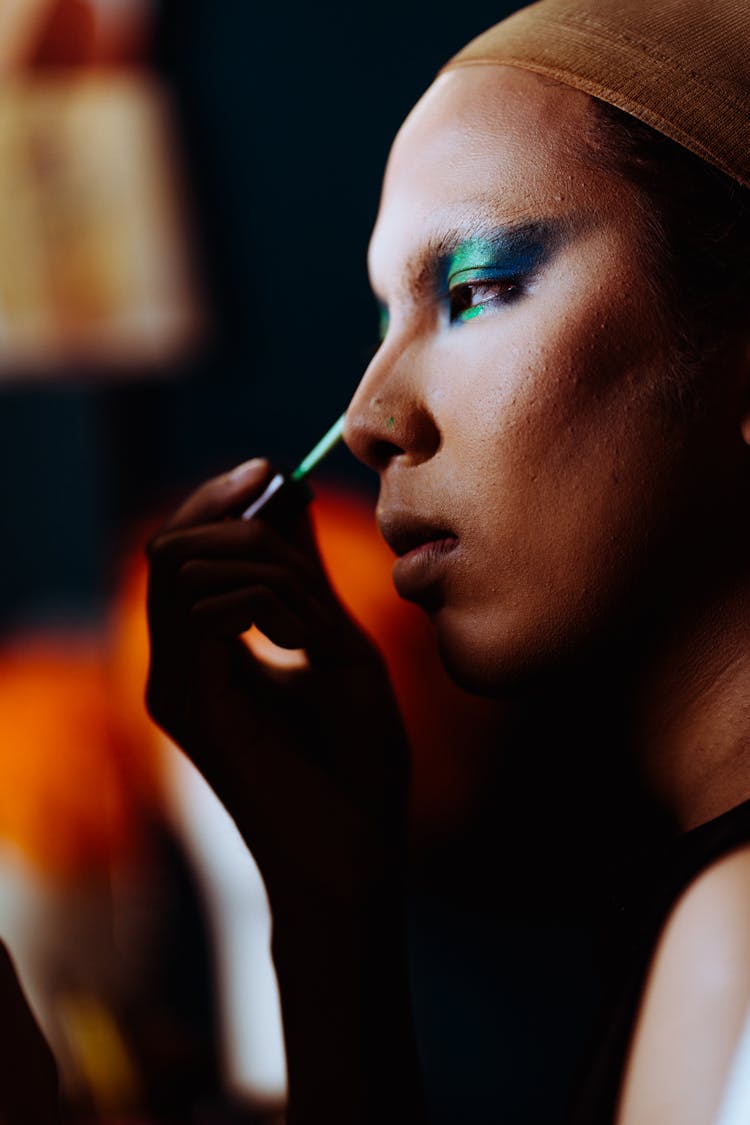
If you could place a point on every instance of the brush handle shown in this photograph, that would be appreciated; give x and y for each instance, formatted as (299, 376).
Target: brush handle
(279, 493)
(276, 482)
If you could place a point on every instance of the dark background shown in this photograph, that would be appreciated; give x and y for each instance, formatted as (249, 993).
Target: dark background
(285, 115)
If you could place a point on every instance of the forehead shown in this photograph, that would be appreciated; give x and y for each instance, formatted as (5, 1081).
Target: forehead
(496, 144)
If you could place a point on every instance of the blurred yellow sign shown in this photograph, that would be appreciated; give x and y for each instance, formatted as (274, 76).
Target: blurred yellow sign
(95, 271)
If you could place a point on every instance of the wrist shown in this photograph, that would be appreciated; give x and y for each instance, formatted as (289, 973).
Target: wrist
(346, 1005)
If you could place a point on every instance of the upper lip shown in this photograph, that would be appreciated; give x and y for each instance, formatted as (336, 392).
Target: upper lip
(403, 533)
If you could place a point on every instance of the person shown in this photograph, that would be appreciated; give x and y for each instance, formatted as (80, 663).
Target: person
(559, 413)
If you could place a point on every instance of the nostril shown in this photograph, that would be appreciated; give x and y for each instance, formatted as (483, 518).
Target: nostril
(417, 434)
(379, 438)
(381, 427)
(382, 452)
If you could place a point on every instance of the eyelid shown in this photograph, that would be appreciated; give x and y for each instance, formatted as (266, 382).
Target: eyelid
(504, 289)
(481, 273)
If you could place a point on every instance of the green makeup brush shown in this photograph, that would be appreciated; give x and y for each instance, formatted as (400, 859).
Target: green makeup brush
(298, 475)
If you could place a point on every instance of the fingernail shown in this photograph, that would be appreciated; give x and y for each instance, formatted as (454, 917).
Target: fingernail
(247, 468)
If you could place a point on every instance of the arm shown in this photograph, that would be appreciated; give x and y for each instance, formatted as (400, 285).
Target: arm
(312, 763)
(351, 1054)
(695, 1003)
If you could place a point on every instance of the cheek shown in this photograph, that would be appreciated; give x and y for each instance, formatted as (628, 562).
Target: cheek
(526, 415)
(557, 393)
(568, 462)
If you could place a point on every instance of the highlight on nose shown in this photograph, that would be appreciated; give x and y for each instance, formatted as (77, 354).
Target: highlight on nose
(377, 432)
(371, 433)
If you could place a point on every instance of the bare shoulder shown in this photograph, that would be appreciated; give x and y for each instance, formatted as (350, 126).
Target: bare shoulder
(696, 1002)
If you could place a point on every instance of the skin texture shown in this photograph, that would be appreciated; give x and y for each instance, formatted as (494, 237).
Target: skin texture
(697, 1001)
(538, 432)
(557, 517)
(592, 524)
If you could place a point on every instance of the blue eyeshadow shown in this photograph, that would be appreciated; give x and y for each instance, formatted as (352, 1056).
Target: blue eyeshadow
(502, 254)
(511, 255)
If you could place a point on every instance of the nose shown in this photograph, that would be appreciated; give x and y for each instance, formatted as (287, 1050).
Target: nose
(388, 417)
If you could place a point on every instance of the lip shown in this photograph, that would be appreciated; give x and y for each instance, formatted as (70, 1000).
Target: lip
(423, 548)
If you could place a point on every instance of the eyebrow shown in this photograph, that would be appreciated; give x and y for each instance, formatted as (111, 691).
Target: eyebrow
(422, 267)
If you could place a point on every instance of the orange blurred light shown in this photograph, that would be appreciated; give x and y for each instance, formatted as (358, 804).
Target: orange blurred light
(62, 798)
(453, 736)
(79, 757)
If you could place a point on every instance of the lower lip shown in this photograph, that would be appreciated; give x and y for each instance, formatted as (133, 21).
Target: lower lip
(420, 568)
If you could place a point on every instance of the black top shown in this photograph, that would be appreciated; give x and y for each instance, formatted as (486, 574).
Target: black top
(640, 911)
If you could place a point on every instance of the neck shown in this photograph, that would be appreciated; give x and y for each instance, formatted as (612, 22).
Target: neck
(693, 711)
(658, 717)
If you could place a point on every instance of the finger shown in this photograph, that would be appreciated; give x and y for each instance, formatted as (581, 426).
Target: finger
(229, 615)
(251, 540)
(201, 562)
(199, 579)
(177, 584)
(223, 495)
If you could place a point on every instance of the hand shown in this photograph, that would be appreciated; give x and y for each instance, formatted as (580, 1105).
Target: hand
(311, 761)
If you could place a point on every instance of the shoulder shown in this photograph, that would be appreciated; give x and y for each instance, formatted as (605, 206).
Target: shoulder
(695, 1004)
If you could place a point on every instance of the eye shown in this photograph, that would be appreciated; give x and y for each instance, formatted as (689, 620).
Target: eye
(470, 298)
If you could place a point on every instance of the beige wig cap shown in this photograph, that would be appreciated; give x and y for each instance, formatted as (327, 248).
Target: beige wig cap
(680, 66)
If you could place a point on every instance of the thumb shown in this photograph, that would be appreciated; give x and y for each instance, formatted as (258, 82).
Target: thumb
(223, 495)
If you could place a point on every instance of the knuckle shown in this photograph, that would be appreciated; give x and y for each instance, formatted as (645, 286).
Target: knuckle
(164, 549)
(189, 572)
(200, 613)
(154, 545)
(253, 534)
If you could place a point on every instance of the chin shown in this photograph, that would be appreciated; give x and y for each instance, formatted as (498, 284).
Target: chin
(493, 670)
(502, 663)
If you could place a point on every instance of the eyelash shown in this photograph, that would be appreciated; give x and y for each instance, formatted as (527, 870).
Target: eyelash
(461, 306)
(504, 291)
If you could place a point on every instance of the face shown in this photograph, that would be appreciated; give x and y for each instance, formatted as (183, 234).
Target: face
(515, 411)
